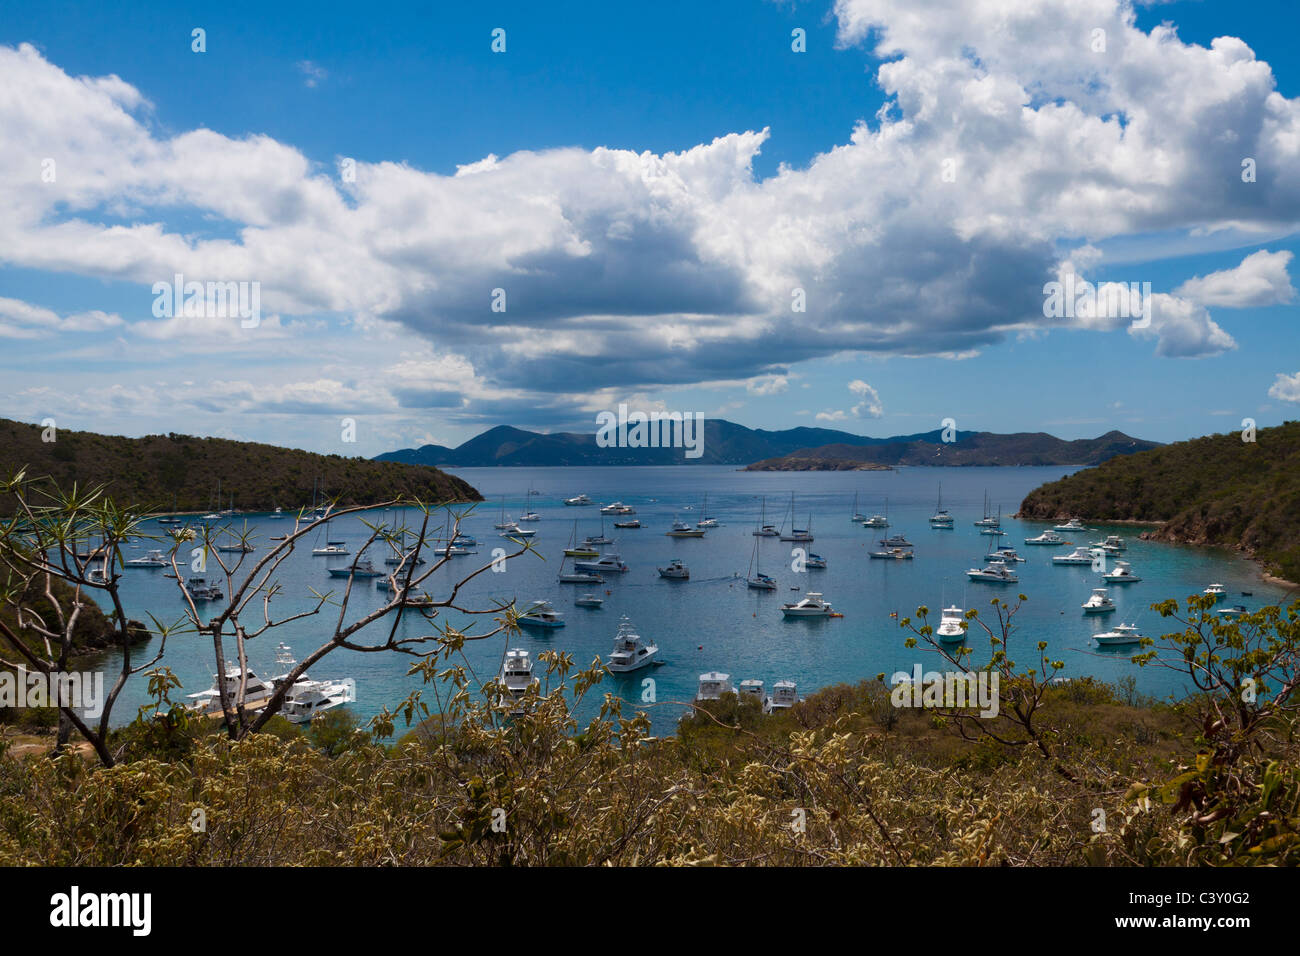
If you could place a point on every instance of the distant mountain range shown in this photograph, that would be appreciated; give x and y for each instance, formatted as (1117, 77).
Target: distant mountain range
(726, 443)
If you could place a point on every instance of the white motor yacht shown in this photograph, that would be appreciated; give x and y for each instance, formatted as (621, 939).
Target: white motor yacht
(676, 571)
(361, 568)
(577, 500)
(1080, 555)
(752, 689)
(681, 529)
(200, 590)
(1047, 537)
(995, 573)
(609, 562)
(785, 694)
(151, 559)
(1122, 573)
(517, 678)
(1074, 524)
(811, 606)
(542, 615)
(950, 630)
(589, 600)
(1099, 602)
(1216, 591)
(631, 650)
(713, 685)
(1122, 635)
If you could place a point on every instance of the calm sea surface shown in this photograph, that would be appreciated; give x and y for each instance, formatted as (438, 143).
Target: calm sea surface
(714, 622)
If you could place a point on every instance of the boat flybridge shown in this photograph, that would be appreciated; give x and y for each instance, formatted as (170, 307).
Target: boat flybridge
(1080, 555)
(1123, 634)
(514, 531)
(631, 650)
(1074, 524)
(752, 689)
(713, 685)
(1007, 553)
(951, 628)
(306, 697)
(200, 590)
(1216, 591)
(1112, 545)
(996, 572)
(1099, 602)
(255, 689)
(811, 606)
(676, 571)
(517, 678)
(896, 541)
(1122, 573)
(612, 508)
(577, 500)
(541, 614)
(1047, 537)
(785, 694)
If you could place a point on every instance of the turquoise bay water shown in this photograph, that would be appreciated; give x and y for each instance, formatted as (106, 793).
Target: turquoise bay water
(713, 621)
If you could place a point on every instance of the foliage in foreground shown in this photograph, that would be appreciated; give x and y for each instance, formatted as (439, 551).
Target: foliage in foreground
(843, 778)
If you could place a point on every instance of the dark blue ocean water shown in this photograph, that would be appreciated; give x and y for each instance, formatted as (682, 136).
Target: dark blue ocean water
(714, 622)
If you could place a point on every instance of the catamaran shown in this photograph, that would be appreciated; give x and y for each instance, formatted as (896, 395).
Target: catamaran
(765, 530)
(755, 578)
(941, 519)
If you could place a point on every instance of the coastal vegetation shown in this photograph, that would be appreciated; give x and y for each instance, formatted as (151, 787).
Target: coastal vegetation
(181, 473)
(1217, 490)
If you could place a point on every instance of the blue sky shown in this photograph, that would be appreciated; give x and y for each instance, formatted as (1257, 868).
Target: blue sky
(642, 278)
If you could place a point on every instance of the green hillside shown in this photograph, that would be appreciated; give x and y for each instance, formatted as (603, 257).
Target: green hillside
(1214, 490)
(180, 472)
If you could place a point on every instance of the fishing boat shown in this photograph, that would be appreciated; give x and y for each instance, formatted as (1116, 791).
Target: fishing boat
(306, 698)
(785, 694)
(542, 615)
(751, 689)
(676, 571)
(608, 562)
(996, 572)
(1124, 634)
(633, 523)
(361, 568)
(1122, 573)
(1099, 602)
(589, 600)
(713, 685)
(1047, 537)
(892, 554)
(631, 650)
(151, 559)
(1074, 524)
(755, 578)
(941, 519)
(517, 679)
(681, 529)
(812, 605)
(1112, 545)
(200, 590)
(1216, 591)
(765, 530)
(952, 628)
(577, 501)
(1080, 555)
